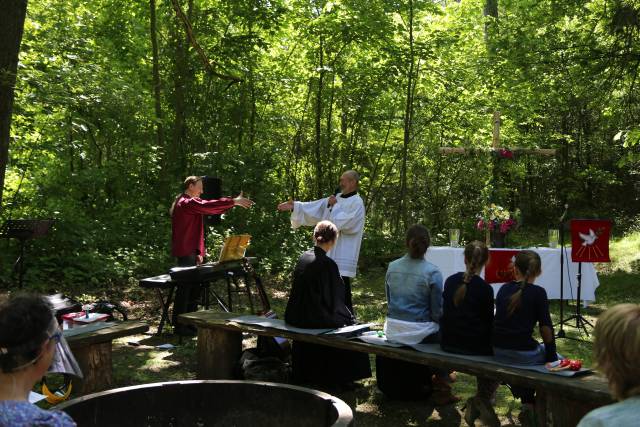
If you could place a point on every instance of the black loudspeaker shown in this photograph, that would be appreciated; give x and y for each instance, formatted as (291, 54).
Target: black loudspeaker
(211, 190)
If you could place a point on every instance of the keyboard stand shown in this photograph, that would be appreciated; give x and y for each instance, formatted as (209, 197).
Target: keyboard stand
(165, 287)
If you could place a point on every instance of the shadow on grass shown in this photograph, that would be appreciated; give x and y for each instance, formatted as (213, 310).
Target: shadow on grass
(145, 363)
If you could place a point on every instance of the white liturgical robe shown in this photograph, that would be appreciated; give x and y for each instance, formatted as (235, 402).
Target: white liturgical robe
(348, 215)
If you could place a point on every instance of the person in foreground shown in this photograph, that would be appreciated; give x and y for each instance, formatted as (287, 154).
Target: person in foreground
(317, 301)
(414, 307)
(617, 353)
(187, 240)
(520, 305)
(30, 342)
(467, 325)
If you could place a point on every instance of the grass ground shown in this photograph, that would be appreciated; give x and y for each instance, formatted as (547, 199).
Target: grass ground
(143, 363)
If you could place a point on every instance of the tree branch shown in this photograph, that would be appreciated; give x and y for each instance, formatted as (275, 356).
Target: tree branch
(208, 64)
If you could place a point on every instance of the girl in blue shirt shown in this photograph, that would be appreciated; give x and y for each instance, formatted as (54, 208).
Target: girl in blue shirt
(414, 307)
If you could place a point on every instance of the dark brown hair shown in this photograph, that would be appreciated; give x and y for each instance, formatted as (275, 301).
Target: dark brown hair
(418, 241)
(325, 232)
(189, 181)
(476, 255)
(529, 265)
(24, 321)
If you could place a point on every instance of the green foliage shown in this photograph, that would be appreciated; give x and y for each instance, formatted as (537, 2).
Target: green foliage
(324, 88)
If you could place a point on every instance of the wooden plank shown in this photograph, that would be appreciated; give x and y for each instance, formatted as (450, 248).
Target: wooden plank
(592, 388)
(122, 329)
(480, 150)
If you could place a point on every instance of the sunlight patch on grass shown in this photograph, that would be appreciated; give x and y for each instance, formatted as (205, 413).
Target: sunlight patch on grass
(625, 255)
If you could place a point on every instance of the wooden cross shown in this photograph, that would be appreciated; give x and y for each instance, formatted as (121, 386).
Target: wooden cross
(495, 146)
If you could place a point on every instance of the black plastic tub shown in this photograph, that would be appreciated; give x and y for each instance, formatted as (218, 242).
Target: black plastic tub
(209, 403)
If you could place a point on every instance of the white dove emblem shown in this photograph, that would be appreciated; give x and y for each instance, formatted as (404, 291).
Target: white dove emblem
(588, 239)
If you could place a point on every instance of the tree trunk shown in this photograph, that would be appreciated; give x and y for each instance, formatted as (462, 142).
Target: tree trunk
(11, 29)
(408, 123)
(330, 149)
(490, 9)
(318, 123)
(178, 150)
(156, 90)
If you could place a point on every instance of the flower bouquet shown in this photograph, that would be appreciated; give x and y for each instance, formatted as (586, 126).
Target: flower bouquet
(497, 221)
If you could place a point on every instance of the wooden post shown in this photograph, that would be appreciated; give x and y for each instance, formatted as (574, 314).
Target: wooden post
(496, 130)
(218, 352)
(565, 411)
(95, 363)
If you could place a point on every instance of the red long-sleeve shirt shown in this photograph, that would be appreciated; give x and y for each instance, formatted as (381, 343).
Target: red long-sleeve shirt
(187, 237)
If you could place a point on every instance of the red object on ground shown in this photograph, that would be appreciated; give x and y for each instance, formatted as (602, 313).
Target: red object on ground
(499, 269)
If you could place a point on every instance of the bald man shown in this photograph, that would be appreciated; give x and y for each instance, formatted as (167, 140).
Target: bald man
(346, 211)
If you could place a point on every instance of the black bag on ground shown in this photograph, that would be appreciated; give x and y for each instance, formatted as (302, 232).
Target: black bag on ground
(115, 310)
(402, 380)
(254, 367)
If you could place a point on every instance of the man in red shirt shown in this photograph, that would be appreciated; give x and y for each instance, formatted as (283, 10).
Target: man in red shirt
(187, 240)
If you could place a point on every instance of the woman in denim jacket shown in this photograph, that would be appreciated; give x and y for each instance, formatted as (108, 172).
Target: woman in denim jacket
(414, 307)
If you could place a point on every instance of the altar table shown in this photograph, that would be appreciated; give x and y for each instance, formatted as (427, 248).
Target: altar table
(451, 260)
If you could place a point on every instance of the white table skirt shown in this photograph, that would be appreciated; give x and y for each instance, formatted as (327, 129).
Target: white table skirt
(451, 260)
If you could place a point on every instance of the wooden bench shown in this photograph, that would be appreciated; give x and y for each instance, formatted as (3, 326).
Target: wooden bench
(92, 350)
(561, 401)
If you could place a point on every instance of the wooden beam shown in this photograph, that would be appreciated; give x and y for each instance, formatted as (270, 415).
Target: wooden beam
(515, 150)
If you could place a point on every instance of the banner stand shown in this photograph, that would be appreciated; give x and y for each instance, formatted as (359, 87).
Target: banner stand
(589, 243)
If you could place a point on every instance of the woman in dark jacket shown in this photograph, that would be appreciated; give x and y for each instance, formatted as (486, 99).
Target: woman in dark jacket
(317, 302)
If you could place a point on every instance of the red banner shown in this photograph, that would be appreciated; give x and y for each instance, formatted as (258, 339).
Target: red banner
(499, 269)
(590, 240)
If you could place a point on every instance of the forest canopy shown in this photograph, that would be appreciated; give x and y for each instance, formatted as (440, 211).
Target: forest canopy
(117, 101)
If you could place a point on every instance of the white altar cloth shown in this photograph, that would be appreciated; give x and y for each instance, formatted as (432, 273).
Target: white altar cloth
(451, 260)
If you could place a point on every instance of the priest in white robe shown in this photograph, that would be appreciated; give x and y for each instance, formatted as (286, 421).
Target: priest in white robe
(346, 210)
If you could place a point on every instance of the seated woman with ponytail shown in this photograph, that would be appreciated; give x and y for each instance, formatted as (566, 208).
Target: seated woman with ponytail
(467, 325)
(414, 307)
(317, 300)
(520, 305)
(29, 343)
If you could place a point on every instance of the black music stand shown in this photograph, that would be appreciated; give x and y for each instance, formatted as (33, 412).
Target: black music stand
(561, 333)
(23, 230)
(581, 321)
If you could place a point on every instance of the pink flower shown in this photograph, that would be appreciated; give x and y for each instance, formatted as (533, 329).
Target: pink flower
(480, 225)
(506, 154)
(507, 225)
